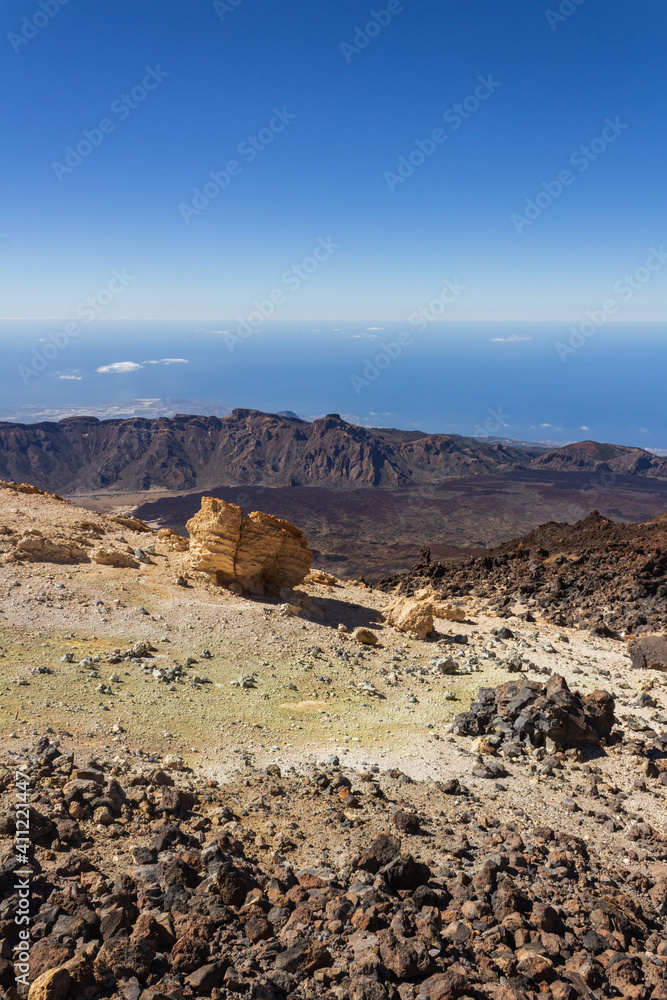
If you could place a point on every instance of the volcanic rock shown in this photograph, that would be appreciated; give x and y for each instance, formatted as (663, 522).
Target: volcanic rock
(365, 636)
(51, 985)
(529, 711)
(649, 652)
(111, 557)
(567, 572)
(261, 553)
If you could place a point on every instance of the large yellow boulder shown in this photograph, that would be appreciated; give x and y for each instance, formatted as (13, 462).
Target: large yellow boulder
(261, 553)
(413, 617)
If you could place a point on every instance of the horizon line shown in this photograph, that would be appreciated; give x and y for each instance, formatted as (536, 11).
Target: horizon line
(268, 322)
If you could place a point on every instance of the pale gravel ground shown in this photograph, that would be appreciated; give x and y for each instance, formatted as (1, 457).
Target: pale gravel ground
(215, 726)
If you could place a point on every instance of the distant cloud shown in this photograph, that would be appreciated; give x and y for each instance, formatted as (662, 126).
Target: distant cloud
(546, 425)
(124, 367)
(643, 430)
(119, 368)
(168, 361)
(584, 428)
(71, 378)
(515, 338)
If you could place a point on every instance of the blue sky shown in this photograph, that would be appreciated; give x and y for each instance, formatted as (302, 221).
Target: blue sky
(183, 87)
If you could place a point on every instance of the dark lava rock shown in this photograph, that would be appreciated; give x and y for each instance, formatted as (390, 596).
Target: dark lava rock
(534, 713)
(406, 822)
(649, 652)
(207, 977)
(406, 873)
(305, 955)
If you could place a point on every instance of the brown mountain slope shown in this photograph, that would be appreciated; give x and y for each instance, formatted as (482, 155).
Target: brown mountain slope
(594, 573)
(245, 448)
(84, 454)
(590, 456)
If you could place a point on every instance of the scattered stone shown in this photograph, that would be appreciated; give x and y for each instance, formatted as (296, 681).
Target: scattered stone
(412, 617)
(649, 652)
(365, 636)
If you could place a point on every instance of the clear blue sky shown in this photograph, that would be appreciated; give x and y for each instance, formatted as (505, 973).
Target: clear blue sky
(324, 174)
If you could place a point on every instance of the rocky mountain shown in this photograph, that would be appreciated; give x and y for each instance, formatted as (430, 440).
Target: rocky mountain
(596, 573)
(83, 454)
(590, 456)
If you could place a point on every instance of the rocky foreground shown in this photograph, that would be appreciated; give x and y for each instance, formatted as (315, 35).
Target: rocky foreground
(242, 785)
(149, 883)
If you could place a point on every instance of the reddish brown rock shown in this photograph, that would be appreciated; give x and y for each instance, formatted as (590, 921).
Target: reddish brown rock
(305, 955)
(448, 985)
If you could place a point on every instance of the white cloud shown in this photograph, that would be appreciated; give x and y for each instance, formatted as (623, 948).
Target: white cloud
(546, 425)
(119, 368)
(509, 340)
(71, 378)
(124, 367)
(168, 361)
(584, 428)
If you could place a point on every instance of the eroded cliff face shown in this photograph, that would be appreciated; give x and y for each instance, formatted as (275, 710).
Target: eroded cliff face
(83, 454)
(261, 553)
(215, 531)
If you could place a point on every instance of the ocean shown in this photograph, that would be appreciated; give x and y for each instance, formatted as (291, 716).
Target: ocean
(550, 382)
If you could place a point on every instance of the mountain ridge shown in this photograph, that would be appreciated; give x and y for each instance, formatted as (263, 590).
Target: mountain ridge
(82, 454)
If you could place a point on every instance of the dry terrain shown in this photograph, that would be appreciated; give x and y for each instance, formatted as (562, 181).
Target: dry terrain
(326, 774)
(377, 532)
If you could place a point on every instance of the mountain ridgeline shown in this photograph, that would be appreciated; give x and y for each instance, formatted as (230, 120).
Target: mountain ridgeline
(83, 454)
